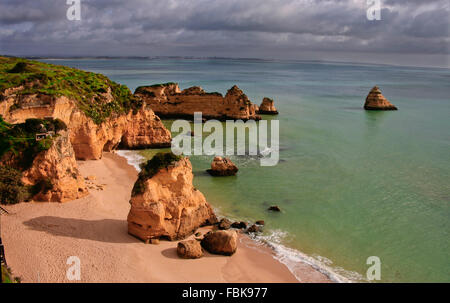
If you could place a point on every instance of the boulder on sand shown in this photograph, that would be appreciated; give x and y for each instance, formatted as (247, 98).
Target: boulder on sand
(376, 101)
(221, 242)
(224, 224)
(190, 249)
(222, 166)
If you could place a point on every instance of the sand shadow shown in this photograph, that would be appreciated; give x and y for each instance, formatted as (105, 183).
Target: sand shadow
(170, 253)
(105, 230)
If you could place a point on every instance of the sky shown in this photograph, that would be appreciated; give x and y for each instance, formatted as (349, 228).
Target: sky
(410, 32)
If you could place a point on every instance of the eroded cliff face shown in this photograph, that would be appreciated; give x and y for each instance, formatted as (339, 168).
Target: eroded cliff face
(169, 206)
(137, 129)
(57, 171)
(169, 102)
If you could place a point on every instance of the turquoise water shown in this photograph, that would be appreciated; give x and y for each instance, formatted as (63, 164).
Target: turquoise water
(351, 183)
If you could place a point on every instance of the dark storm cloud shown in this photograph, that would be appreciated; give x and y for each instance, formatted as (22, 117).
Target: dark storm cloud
(274, 28)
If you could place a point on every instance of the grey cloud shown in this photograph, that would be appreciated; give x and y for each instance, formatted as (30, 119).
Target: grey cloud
(254, 27)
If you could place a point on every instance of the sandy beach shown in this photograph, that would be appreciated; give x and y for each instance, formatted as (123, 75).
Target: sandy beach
(40, 237)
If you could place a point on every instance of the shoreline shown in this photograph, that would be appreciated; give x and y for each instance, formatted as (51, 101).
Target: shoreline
(303, 263)
(39, 237)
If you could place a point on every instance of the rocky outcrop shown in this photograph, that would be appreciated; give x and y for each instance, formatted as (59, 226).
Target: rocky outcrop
(136, 129)
(254, 229)
(168, 101)
(224, 224)
(222, 166)
(376, 101)
(164, 202)
(55, 173)
(239, 225)
(222, 242)
(190, 249)
(267, 107)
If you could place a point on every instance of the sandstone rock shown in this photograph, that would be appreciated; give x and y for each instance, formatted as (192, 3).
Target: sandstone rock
(260, 222)
(168, 101)
(222, 167)
(267, 107)
(190, 249)
(239, 225)
(164, 202)
(224, 224)
(91, 178)
(376, 101)
(222, 242)
(274, 208)
(58, 169)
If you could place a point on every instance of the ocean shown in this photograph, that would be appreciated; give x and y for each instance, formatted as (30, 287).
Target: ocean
(351, 183)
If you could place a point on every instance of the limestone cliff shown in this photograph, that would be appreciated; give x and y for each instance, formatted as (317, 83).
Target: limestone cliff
(164, 202)
(40, 155)
(376, 101)
(169, 102)
(56, 172)
(100, 114)
(138, 129)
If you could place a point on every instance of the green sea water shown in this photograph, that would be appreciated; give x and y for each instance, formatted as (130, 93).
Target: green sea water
(350, 183)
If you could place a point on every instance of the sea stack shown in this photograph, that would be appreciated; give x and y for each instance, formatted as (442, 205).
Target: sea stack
(222, 166)
(376, 101)
(267, 107)
(168, 101)
(164, 203)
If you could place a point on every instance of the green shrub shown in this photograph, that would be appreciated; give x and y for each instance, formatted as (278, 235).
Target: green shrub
(12, 190)
(20, 139)
(151, 167)
(20, 67)
(42, 186)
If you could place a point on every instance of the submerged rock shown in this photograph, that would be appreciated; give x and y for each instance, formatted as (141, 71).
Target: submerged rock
(239, 225)
(222, 166)
(267, 107)
(274, 208)
(222, 242)
(164, 202)
(254, 229)
(190, 249)
(260, 222)
(376, 101)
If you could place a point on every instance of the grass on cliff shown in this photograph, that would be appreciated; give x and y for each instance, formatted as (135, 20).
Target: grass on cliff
(151, 167)
(20, 139)
(13, 190)
(7, 276)
(55, 80)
